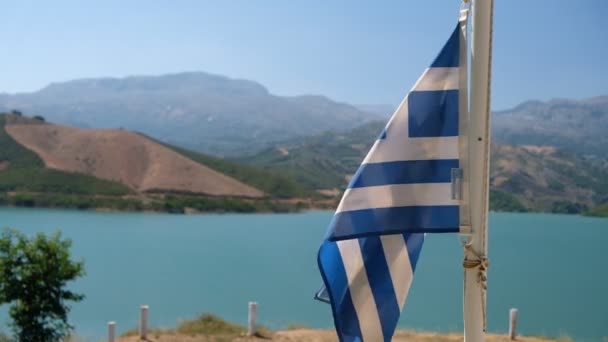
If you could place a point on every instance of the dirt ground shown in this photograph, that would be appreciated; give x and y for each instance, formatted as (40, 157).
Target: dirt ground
(307, 335)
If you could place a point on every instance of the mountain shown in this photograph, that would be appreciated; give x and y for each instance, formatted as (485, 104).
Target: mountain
(200, 111)
(577, 126)
(54, 161)
(380, 111)
(527, 177)
(231, 117)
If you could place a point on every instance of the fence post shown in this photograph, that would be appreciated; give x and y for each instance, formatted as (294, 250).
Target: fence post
(111, 331)
(512, 324)
(143, 322)
(251, 318)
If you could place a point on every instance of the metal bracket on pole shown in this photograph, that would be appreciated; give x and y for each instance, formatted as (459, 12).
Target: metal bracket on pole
(464, 14)
(465, 231)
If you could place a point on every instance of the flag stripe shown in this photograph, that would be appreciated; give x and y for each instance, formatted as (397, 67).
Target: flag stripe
(360, 291)
(414, 244)
(414, 219)
(401, 195)
(450, 53)
(398, 261)
(334, 277)
(417, 149)
(404, 172)
(395, 144)
(433, 113)
(381, 284)
(438, 79)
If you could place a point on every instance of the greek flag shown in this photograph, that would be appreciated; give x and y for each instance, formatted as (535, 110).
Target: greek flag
(409, 184)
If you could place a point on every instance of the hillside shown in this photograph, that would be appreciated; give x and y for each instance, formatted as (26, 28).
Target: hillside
(21, 169)
(522, 177)
(322, 161)
(548, 179)
(124, 157)
(576, 126)
(53, 160)
(208, 113)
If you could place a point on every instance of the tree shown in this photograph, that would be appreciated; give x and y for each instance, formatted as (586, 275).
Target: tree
(33, 277)
(39, 118)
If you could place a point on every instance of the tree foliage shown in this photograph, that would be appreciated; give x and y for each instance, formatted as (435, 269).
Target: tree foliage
(34, 273)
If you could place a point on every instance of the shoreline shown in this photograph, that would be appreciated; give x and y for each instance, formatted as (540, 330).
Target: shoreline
(281, 210)
(191, 204)
(187, 204)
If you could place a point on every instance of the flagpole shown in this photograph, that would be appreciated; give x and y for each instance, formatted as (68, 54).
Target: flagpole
(476, 248)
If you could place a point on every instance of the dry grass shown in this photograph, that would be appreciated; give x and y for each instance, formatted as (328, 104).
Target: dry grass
(210, 328)
(308, 335)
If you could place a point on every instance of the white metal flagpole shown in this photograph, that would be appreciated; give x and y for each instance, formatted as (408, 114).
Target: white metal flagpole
(475, 261)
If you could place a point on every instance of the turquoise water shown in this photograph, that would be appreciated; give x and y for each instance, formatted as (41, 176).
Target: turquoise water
(553, 268)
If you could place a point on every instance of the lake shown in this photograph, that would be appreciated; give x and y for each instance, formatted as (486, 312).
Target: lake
(553, 268)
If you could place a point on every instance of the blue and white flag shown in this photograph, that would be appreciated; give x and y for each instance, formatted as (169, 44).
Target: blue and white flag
(409, 184)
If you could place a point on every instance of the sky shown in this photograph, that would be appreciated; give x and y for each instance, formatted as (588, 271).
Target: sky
(361, 52)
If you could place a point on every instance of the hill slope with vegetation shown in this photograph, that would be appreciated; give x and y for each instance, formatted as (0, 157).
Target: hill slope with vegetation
(78, 168)
(523, 178)
(22, 170)
(126, 157)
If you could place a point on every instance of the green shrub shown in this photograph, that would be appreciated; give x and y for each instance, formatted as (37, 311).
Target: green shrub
(34, 273)
(36, 179)
(208, 324)
(567, 207)
(502, 201)
(598, 211)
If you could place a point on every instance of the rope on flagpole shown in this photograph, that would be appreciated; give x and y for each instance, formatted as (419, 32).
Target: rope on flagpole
(481, 262)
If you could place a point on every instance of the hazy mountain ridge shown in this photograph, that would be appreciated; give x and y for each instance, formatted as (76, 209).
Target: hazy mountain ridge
(381, 111)
(223, 116)
(578, 126)
(201, 111)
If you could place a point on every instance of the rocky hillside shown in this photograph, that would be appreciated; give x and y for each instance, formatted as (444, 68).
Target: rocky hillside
(577, 126)
(548, 179)
(205, 112)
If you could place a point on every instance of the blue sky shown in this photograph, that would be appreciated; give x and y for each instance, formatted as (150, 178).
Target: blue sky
(367, 52)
